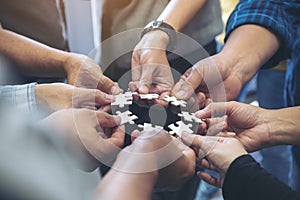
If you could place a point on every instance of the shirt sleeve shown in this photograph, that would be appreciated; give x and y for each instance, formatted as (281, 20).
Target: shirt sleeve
(19, 96)
(247, 180)
(273, 15)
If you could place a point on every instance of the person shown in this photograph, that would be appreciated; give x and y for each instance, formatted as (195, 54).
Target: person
(150, 63)
(91, 88)
(140, 175)
(251, 42)
(240, 176)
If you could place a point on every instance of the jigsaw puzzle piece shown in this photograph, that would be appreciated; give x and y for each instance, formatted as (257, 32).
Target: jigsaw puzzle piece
(174, 101)
(181, 127)
(149, 96)
(127, 117)
(149, 127)
(191, 117)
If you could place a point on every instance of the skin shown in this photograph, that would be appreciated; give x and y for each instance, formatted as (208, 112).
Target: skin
(218, 158)
(254, 127)
(234, 66)
(139, 185)
(95, 134)
(57, 96)
(36, 59)
(151, 72)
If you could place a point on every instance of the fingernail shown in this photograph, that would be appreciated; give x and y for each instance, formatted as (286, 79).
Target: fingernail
(115, 90)
(180, 94)
(143, 89)
(109, 97)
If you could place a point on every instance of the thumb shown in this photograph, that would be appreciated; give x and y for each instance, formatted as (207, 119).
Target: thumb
(188, 82)
(108, 86)
(192, 140)
(146, 79)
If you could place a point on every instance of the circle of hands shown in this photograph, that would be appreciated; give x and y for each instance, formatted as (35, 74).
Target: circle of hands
(80, 110)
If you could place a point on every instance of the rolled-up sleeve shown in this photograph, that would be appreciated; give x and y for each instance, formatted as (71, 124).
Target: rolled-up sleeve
(272, 15)
(19, 96)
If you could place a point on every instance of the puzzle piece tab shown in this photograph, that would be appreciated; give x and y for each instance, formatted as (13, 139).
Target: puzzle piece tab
(174, 101)
(126, 117)
(149, 127)
(181, 127)
(149, 96)
(190, 117)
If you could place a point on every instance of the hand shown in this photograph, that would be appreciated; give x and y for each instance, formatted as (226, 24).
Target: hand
(151, 72)
(84, 130)
(57, 96)
(219, 153)
(84, 72)
(213, 78)
(157, 151)
(249, 123)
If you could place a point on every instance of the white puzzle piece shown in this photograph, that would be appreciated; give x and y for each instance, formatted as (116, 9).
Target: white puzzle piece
(149, 127)
(123, 99)
(174, 101)
(181, 127)
(127, 117)
(191, 117)
(149, 96)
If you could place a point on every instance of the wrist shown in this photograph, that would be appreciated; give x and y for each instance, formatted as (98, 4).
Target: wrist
(157, 38)
(283, 127)
(72, 64)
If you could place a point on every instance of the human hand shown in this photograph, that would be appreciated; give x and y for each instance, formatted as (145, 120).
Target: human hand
(219, 153)
(157, 151)
(249, 123)
(93, 133)
(151, 72)
(211, 78)
(57, 96)
(84, 72)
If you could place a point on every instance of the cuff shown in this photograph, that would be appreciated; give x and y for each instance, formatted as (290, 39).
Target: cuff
(19, 96)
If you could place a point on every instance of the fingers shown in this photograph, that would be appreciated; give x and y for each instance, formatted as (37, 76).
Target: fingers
(213, 110)
(209, 179)
(117, 136)
(108, 86)
(107, 120)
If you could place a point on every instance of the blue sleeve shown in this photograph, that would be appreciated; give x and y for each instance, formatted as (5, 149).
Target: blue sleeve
(272, 15)
(19, 96)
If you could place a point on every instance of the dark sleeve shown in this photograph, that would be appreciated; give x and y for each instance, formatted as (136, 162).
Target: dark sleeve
(272, 15)
(247, 180)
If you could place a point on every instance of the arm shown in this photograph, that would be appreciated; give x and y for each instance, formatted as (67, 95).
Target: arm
(246, 178)
(239, 175)
(37, 59)
(256, 34)
(150, 68)
(150, 161)
(178, 12)
(248, 47)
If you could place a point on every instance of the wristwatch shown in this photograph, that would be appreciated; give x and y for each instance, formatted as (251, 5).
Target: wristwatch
(167, 28)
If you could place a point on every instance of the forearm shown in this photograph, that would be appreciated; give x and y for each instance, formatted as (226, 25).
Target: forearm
(33, 57)
(247, 48)
(245, 179)
(284, 126)
(122, 185)
(179, 12)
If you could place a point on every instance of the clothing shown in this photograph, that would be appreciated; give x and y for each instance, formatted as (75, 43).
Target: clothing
(283, 19)
(19, 96)
(245, 179)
